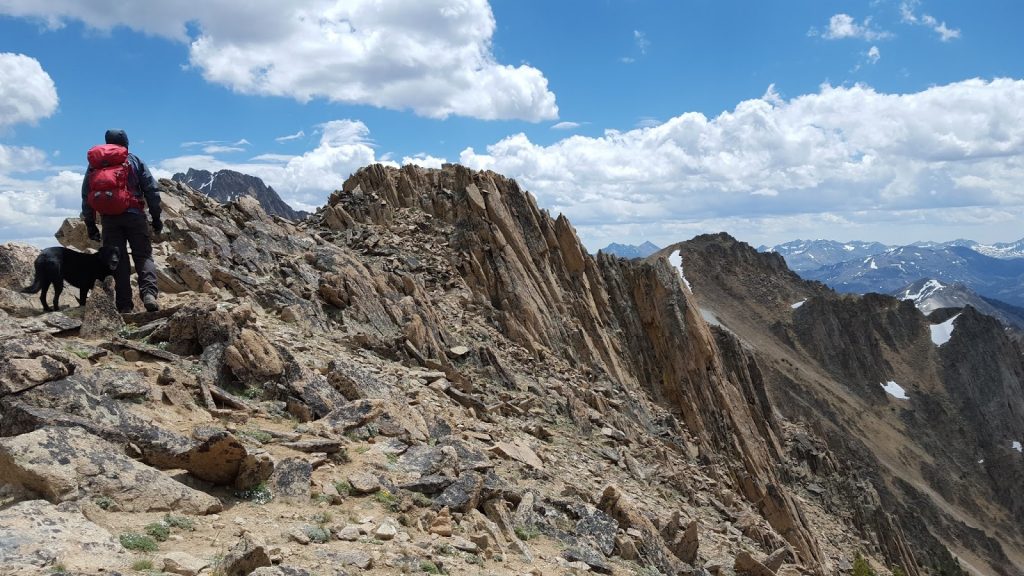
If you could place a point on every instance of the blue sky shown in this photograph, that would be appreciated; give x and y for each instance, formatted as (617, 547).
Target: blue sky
(889, 120)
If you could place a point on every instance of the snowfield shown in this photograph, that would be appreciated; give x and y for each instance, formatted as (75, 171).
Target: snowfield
(676, 259)
(895, 390)
(941, 333)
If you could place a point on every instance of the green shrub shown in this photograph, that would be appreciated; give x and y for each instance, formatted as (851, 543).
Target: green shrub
(527, 532)
(158, 530)
(140, 542)
(861, 567)
(142, 565)
(317, 534)
(180, 522)
(258, 494)
(343, 487)
(430, 568)
(385, 497)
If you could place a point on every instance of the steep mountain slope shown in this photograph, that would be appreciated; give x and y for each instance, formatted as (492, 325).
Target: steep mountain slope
(630, 251)
(928, 424)
(930, 295)
(228, 186)
(801, 255)
(1002, 279)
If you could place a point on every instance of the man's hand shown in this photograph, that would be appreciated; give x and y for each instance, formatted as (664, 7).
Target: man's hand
(158, 226)
(94, 233)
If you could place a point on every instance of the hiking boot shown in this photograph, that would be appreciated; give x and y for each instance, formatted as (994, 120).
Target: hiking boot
(149, 300)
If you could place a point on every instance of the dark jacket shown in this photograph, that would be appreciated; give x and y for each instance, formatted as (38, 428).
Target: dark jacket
(140, 182)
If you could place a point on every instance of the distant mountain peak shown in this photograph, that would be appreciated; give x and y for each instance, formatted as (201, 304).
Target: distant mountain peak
(229, 185)
(631, 251)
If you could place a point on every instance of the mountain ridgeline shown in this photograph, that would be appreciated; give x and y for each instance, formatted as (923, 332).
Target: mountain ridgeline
(228, 185)
(993, 271)
(441, 361)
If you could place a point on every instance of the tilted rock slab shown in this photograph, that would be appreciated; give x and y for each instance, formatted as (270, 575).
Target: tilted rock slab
(36, 536)
(79, 401)
(64, 464)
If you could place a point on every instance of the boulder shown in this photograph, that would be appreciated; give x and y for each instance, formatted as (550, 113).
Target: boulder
(64, 464)
(355, 382)
(463, 494)
(101, 320)
(317, 394)
(291, 480)
(73, 233)
(252, 358)
(29, 361)
(748, 565)
(35, 536)
(78, 400)
(16, 265)
(244, 557)
(588, 556)
(182, 563)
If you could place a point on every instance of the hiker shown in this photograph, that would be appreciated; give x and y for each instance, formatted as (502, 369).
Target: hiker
(118, 186)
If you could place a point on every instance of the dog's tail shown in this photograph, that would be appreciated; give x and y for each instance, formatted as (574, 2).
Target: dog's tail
(35, 287)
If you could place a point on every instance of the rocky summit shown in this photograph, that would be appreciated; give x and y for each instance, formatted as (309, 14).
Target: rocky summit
(431, 375)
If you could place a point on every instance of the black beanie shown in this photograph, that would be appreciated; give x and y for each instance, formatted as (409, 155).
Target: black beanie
(119, 137)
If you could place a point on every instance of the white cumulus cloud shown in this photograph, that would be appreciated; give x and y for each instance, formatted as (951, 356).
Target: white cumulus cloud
(874, 55)
(431, 56)
(845, 26)
(843, 151)
(424, 160)
(27, 93)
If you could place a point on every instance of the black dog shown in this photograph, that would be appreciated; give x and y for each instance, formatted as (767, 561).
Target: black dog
(57, 265)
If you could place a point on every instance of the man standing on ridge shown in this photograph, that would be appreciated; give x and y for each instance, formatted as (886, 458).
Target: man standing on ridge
(119, 186)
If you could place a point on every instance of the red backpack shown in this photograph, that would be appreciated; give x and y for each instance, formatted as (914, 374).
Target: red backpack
(108, 180)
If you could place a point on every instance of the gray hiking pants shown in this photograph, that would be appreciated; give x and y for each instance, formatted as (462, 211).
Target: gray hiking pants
(131, 229)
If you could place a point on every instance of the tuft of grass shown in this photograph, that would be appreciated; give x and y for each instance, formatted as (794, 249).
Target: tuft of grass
(103, 502)
(430, 568)
(59, 569)
(362, 449)
(257, 435)
(527, 532)
(317, 534)
(322, 518)
(253, 393)
(180, 522)
(861, 567)
(158, 531)
(343, 487)
(142, 565)
(140, 542)
(422, 500)
(385, 497)
(258, 494)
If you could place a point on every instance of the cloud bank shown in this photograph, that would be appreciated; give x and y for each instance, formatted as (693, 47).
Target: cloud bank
(431, 56)
(849, 151)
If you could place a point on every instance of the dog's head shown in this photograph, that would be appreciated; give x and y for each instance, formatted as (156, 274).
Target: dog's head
(110, 256)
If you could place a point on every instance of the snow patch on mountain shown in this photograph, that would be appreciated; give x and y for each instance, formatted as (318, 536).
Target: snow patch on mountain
(941, 333)
(927, 290)
(796, 305)
(895, 390)
(676, 259)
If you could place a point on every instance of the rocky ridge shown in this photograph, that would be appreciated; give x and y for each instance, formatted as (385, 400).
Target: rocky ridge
(430, 373)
